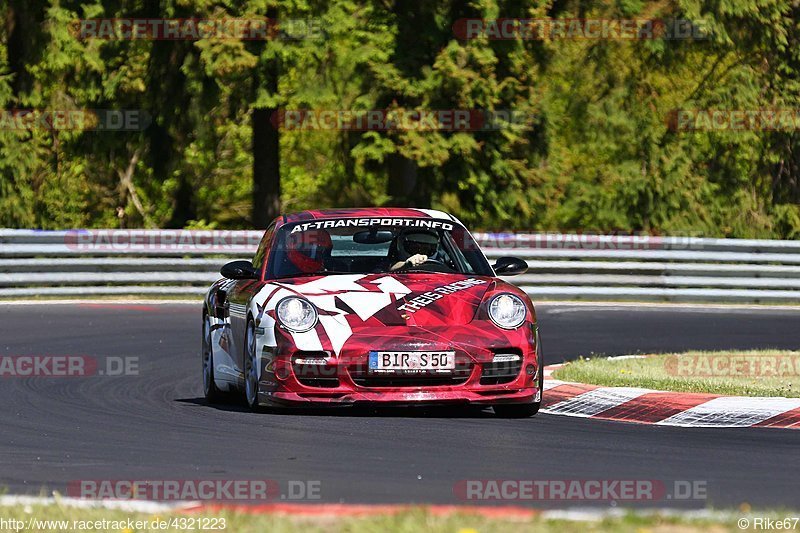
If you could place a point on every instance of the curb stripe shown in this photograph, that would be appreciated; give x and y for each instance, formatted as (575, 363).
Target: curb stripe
(344, 510)
(644, 406)
(564, 392)
(596, 401)
(789, 419)
(130, 506)
(655, 407)
(732, 411)
(552, 383)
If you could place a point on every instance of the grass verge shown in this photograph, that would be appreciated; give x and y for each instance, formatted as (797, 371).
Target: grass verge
(76, 519)
(736, 373)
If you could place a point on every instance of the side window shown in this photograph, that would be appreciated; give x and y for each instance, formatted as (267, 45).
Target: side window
(263, 247)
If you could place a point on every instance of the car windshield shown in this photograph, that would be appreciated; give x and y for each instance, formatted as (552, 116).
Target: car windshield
(365, 245)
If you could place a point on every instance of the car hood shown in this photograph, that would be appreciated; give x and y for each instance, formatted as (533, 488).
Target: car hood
(413, 299)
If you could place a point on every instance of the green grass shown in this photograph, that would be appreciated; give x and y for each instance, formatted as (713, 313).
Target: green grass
(737, 373)
(407, 522)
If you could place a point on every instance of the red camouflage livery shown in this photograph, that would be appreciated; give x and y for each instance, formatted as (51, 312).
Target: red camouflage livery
(381, 305)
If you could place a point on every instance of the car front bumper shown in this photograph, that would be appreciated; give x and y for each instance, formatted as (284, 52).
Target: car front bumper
(344, 378)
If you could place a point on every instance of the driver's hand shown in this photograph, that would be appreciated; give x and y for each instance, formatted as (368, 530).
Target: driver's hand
(416, 259)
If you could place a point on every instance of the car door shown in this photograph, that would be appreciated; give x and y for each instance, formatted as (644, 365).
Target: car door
(239, 297)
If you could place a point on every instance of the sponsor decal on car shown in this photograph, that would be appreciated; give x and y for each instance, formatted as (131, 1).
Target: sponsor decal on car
(418, 302)
(366, 222)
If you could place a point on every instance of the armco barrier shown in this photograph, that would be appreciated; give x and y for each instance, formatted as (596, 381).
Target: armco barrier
(561, 266)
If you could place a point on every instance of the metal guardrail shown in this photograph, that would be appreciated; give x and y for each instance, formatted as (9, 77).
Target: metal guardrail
(561, 266)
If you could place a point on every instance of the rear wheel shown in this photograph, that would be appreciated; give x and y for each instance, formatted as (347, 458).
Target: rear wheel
(210, 390)
(251, 366)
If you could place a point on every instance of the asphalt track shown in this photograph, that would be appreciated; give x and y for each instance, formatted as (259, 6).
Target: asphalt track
(157, 426)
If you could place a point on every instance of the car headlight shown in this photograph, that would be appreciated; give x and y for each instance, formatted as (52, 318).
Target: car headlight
(507, 311)
(296, 314)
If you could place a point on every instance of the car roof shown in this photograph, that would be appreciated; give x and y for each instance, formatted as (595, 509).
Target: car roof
(358, 212)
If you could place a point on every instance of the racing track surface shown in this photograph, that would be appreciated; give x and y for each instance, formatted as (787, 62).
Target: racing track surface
(157, 426)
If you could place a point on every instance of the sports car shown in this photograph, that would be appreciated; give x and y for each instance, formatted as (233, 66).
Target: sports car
(382, 305)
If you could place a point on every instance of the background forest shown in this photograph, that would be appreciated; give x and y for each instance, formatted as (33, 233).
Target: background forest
(598, 154)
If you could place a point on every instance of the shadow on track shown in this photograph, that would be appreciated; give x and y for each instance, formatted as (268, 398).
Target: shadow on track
(414, 411)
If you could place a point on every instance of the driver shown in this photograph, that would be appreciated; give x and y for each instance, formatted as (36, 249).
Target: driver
(414, 248)
(307, 250)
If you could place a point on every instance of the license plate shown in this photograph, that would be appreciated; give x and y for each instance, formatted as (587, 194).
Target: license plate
(411, 362)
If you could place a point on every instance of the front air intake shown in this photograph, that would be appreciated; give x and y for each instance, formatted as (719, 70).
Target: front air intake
(315, 370)
(504, 368)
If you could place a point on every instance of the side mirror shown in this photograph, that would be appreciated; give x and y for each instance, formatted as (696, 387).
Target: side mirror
(239, 270)
(510, 266)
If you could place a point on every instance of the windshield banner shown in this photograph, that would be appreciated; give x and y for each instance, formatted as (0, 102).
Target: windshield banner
(367, 222)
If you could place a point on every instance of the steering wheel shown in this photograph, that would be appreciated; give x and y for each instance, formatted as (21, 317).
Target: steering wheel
(431, 265)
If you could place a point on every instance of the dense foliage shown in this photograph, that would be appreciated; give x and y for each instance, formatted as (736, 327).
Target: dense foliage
(598, 152)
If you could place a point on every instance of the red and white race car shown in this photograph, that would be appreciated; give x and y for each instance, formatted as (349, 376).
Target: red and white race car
(383, 305)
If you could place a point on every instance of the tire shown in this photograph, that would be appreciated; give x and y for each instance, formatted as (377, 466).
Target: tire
(250, 369)
(210, 390)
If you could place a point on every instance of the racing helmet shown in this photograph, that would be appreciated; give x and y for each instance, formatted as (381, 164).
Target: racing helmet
(418, 242)
(307, 250)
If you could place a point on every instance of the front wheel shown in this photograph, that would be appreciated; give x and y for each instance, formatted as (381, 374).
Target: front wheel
(210, 390)
(251, 363)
